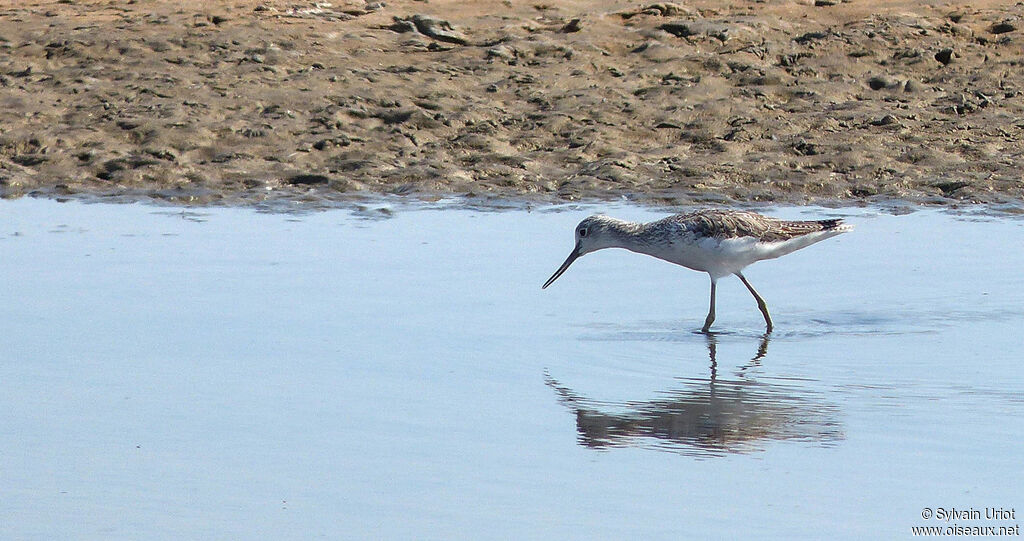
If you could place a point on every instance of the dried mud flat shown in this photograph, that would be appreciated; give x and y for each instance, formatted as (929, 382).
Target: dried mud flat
(237, 101)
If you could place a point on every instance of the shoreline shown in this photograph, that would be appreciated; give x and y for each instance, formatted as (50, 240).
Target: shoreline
(377, 205)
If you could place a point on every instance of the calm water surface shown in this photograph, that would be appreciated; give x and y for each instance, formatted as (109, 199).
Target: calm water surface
(382, 374)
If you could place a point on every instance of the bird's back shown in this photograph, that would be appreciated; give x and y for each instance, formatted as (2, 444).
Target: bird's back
(725, 224)
(722, 242)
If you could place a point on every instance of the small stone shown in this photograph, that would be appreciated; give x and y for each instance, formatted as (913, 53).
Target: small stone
(434, 47)
(438, 29)
(864, 190)
(685, 29)
(944, 56)
(1002, 28)
(401, 26)
(825, 3)
(803, 148)
(161, 154)
(661, 9)
(395, 116)
(572, 26)
(501, 51)
(29, 160)
(306, 179)
(809, 37)
(879, 82)
(664, 9)
(948, 187)
(884, 121)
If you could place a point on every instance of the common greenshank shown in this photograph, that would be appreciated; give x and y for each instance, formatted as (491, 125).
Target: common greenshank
(718, 242)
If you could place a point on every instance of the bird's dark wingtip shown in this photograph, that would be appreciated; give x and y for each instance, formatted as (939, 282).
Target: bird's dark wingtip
(834, 223)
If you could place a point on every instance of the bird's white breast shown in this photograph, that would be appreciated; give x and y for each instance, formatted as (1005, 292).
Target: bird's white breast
(718, 257)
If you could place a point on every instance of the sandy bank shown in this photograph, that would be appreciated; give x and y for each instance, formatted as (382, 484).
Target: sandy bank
(703, 101)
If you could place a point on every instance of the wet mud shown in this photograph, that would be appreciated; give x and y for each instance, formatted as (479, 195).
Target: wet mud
(706, 101)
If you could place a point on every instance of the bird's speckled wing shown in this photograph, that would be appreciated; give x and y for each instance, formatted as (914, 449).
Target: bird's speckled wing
(727, 224)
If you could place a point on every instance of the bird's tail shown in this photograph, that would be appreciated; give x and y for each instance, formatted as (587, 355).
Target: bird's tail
(806, 233)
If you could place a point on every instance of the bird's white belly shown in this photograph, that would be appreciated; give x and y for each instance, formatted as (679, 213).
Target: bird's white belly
(717, 257)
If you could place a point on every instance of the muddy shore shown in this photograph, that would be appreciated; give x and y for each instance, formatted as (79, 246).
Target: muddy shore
(705, 101)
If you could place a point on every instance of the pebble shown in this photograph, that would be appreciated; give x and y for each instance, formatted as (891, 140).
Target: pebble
(572, 26)
(1002, 28)
(306, 179)
(685, 29)
(879, 82)
(501, 51)
(438, 29)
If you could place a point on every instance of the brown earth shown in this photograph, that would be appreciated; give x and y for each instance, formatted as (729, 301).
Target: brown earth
(712, 100)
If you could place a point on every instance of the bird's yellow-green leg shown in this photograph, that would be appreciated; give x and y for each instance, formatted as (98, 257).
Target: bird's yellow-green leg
(711, 311)
(760, 302)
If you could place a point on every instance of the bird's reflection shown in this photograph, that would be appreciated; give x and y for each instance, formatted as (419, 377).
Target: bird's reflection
(707, 417)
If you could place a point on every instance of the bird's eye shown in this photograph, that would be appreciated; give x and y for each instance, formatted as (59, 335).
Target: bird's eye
(583, 231)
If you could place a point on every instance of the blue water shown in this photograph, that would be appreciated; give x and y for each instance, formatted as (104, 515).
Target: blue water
(396, 372)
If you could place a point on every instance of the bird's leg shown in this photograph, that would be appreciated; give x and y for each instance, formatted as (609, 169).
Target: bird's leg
(711, 311)
(760, 302)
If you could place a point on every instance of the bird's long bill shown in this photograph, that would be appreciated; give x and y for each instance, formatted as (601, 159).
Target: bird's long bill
(568, 261)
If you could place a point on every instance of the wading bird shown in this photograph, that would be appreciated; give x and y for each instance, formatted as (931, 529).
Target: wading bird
(718, 242)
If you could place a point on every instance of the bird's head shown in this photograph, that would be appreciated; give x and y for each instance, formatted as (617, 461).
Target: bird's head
(593, 233)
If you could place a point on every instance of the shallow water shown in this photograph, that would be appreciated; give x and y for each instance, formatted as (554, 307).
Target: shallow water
(397, 374)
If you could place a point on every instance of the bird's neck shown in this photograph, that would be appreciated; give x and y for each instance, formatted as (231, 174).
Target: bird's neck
(623, 234)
